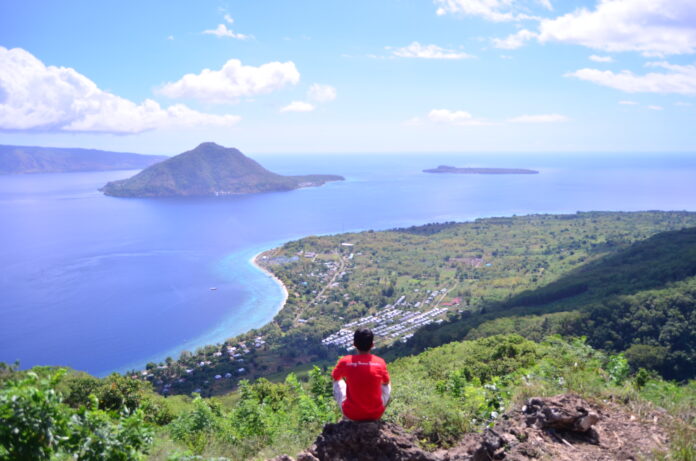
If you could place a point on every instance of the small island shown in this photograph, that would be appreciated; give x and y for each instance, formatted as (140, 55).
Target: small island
(455, 170)
(209, 170)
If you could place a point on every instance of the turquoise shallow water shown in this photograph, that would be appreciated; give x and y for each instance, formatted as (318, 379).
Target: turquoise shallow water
(104, 284)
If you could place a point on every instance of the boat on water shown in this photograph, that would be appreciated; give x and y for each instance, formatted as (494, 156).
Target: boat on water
(213, 288)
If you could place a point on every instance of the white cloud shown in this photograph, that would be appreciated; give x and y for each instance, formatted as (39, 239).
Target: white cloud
(454, 117)
(596, 58)
(514, 41)
(321, 93)
(492, 10)
(233, 81)
(170, 37)
(228, 19)
(683, 104)
(655, 107)
(298, 106)
(222, 31)
(541, 118)
(416, 50)
(678, 79)
(628, 103)
(652, 27)
(546, 4)
(36, 97)
(317, 93)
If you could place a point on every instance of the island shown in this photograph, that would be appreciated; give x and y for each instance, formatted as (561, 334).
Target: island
(32, 159)
(209, 170)
(455, 170)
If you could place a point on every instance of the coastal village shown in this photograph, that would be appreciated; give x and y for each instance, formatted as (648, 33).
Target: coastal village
(391, 323)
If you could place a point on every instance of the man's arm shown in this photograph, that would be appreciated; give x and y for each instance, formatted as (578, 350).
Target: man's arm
(386, 394)
(339, 385)
(386, 387)
(339, 392)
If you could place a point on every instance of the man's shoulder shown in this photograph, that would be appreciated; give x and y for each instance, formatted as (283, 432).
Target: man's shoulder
(378, 359)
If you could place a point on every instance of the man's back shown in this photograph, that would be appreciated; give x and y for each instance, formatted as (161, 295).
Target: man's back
(364, 374)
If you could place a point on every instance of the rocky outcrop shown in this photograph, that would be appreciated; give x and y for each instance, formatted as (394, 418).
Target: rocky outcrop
(562, 428)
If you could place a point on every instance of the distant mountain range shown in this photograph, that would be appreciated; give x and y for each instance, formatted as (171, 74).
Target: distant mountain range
(209, 170)
(29, 159)
(453, 169)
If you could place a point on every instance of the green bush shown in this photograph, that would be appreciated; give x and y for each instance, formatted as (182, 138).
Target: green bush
(37, 425)
(34, 422)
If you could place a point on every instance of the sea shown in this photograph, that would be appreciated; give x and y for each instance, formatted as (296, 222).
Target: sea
(105, 284)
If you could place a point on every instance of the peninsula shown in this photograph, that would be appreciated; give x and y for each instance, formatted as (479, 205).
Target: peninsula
(31, 159)
(209, 170)
(455, 170)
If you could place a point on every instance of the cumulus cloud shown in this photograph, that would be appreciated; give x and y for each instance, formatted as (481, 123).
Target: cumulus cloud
(491, 10)
(321, 93)
(541, 118)
(317, 93)
(36, 97)
(454, 117)
(228, 19)
(298, 106)
(628, 103)
(683, 104)
(652, 27)
(232, 82)
(596, 58)
(222, 31)
(655, 107)
(416, 50)
(514, 41)
(678, 80)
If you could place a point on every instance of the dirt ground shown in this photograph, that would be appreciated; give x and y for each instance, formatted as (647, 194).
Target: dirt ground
(561, 428)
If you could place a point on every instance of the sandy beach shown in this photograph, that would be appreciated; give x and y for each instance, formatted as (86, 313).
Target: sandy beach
(270, 274)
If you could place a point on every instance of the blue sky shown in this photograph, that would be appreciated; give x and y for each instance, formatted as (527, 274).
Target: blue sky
(359, 76)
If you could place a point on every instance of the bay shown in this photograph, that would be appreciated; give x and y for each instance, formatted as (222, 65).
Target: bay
(105, 284)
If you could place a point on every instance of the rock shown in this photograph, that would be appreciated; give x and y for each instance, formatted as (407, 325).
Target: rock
(368, 441)
(566, 412)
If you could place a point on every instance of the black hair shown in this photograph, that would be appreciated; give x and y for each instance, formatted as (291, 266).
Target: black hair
(363, 339)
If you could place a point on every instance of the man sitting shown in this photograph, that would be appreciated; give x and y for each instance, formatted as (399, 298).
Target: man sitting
(365, 392)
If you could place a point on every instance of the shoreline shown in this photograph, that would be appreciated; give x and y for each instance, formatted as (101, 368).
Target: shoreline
(279, 282)
(206, 339)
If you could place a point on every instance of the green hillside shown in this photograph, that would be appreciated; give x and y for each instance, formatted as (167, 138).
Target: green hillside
(439, 395)
(641, 300)
(532, 275)
(209, 170)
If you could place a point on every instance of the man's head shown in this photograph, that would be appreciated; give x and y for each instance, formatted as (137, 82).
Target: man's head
(363, 339)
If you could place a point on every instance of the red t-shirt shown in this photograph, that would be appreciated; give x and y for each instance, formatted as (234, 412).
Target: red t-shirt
(364, 374)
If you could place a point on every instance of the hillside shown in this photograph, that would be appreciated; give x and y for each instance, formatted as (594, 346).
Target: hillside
(424, 286)
(489, 396)
(29, 159)
(209, 170)
(640, 300)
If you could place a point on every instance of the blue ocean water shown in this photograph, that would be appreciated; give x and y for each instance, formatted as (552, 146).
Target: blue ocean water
(105, 284)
